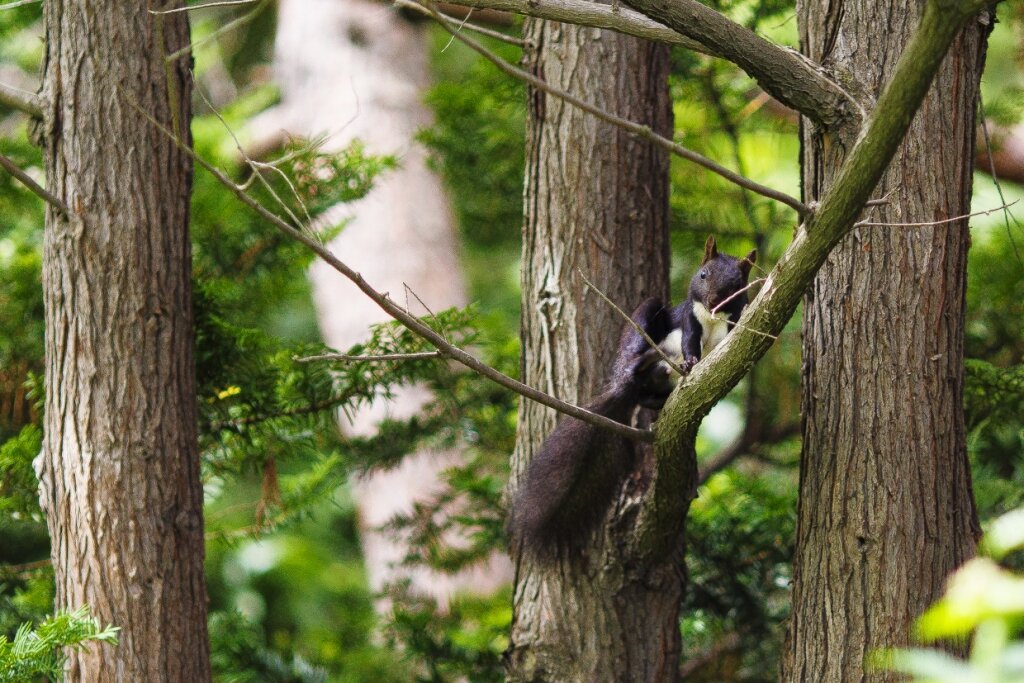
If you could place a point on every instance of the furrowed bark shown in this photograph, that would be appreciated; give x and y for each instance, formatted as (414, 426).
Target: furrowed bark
(119, 471)
(886, 510)
(596, 202)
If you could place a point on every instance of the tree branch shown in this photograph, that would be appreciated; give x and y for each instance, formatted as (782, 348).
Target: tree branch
(674, 485)
(345, 358)
(640, 131)
(411, 322)
(464, 23)
(35, 187)
(586, 13)
(20, 100)
(785, 74)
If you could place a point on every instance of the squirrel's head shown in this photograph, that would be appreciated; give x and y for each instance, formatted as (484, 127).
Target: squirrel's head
(720, 276)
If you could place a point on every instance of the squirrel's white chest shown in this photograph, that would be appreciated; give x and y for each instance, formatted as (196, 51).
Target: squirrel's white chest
(714, 327)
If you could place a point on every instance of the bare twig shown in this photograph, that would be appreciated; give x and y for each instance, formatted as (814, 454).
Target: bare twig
(736, 294)
(482, 30)
(255, 166)
(35, 187)
(881, 201)
(995, 178)
(643, 333)
(927, 224)
(420, 355)
(230, 26)
(189, 8)
(641, 131)
(407, 319)
(751, 329)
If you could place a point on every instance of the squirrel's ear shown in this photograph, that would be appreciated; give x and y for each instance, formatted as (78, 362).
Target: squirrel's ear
(748, 262)
(710, 249)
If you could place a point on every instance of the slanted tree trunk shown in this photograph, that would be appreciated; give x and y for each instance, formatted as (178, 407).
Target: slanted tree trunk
(886, 510)
(596, 203)
(119, 469)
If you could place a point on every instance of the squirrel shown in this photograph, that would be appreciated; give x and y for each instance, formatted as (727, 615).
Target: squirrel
(574, 476)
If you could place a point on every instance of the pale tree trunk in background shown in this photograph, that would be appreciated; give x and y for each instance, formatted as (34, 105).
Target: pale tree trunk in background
(596, 202)
(119, 470)
(355, 69)
(886, 509)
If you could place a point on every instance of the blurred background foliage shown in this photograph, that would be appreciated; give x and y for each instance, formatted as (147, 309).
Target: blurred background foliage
(288, 595)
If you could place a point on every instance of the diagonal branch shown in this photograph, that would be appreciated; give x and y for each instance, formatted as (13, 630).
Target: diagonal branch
(674, 486)
(410, 321)
(598, 15)
(482, 30)
(32, 185)
(641, 131)
(785, 74)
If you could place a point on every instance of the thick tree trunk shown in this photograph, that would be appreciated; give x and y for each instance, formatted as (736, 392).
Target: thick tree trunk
(120, 467)
(886, 509)
(596, 203)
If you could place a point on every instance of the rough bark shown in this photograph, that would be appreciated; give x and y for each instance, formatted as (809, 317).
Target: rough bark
(119, 469)
(886, 509)
(357, 71)
(596, 202)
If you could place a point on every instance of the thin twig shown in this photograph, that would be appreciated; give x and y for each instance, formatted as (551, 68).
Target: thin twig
(641, 131)
(995, 178)
(737, 324)
(255, 167)
(35, 187)
(643, 333)
(884, 199)
(419, 355)
(407, 319)
(454, 35)
(751, 329)
(736, 294)
(189, 8)
(482, 30)
(231, 25)
(868, 224)
(409, 290)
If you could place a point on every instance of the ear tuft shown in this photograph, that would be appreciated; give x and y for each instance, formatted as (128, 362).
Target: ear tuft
(710, 249)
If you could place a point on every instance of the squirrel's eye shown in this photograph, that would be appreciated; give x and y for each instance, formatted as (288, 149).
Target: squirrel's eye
(703, 275)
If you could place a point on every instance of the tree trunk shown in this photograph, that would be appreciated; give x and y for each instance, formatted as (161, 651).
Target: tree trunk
(886, 509)
(119, 470)
(596, 204)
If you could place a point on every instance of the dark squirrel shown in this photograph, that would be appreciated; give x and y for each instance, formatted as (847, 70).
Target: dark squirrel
(574, 476)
